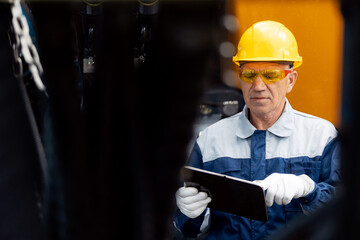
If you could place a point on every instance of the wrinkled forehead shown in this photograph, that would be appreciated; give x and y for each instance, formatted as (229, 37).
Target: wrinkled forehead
(266, 65)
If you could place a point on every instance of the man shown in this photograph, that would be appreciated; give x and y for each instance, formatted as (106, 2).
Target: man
(292, 155)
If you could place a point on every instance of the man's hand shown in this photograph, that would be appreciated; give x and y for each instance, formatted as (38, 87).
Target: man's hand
(284, 187)
(191, 202)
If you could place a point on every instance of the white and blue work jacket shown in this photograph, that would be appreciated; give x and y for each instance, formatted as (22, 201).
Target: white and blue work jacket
(297, 143)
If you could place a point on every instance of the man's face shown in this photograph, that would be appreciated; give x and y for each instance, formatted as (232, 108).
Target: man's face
(264, 99)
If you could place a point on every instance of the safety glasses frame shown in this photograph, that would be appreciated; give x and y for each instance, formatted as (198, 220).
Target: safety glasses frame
(269, 76)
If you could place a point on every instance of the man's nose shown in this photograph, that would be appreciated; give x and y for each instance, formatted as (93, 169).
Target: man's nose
(259, 84)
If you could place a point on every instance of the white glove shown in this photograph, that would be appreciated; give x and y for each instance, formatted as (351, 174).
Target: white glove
(284, 187)
(191, 202)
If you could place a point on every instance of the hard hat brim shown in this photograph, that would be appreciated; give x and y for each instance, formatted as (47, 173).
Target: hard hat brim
(297, 62)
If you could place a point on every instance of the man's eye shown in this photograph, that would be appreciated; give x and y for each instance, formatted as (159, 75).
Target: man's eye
(249, 75)
(271, 75)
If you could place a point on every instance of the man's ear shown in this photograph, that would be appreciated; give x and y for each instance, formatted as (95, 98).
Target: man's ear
(292, 77)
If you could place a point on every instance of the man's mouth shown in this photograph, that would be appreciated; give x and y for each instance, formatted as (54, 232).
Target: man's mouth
(259, 98)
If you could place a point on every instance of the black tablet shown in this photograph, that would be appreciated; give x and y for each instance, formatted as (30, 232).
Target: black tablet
(228, 194)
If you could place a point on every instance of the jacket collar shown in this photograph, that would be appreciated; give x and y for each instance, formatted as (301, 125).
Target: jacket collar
(283, 127)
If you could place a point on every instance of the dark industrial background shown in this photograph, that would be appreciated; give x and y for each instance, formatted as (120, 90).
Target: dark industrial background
(98, 155)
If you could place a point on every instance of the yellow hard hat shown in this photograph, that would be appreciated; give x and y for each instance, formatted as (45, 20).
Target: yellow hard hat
(268, 41)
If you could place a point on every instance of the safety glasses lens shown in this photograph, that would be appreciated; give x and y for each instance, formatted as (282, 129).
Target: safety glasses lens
(248, 75)
(272, 75)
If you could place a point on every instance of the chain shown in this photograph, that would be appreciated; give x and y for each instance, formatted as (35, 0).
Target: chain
(24, 45)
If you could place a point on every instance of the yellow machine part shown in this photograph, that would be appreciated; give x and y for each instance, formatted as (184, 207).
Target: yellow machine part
(318, 28)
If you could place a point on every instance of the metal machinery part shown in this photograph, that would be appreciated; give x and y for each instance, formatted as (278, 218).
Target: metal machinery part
(114, 163)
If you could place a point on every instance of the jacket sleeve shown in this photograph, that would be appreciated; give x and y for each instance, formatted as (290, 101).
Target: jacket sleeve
(197, 226)
(329, 178)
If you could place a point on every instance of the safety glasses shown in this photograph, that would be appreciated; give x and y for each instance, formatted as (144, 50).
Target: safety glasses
(269, 76)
